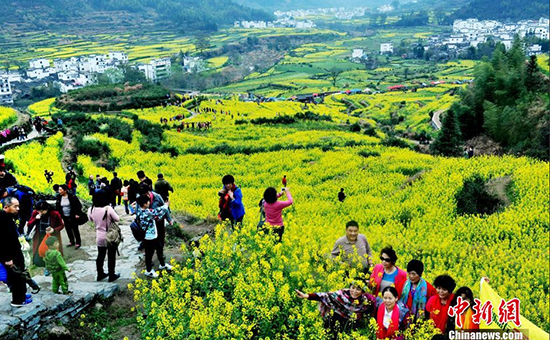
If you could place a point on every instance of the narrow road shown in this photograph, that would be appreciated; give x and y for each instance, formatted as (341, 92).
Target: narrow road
(436, 120)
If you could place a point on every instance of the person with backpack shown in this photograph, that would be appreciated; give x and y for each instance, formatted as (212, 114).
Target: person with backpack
(25, 196)
(155, 201)
(102, 215)
(147, 217)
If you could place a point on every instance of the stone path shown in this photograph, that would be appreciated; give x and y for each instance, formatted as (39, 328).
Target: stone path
(32, 135)
(29, 321)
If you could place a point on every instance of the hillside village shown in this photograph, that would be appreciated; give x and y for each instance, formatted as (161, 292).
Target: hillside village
(472, 32)
(76, 72)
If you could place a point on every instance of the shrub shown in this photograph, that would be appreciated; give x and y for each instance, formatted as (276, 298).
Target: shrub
(474, 198)
(368, 153)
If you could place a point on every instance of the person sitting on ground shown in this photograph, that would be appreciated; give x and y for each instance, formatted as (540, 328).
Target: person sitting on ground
(56, 266)
(348, 306)
(352, 247)
(391, 315)
(151, 243)
(387, 273)
(274, 209)
(438, 305)
(416, 291)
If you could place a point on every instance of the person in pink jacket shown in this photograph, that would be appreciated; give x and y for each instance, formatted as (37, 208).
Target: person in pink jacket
(273, 209)
(102, 214)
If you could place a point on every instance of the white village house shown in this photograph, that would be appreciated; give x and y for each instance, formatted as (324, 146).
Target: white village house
(156, 69)
(386, 48)
(6, 96)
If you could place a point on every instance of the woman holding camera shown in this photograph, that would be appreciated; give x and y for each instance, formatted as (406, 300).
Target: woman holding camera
(274, 208)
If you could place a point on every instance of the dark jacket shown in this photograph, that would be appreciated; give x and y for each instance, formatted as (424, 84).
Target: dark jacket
(91, 187)
(116, 184)
(10, 248)
(149, 182)
(8, 181)
(76, 206)
(162, 187)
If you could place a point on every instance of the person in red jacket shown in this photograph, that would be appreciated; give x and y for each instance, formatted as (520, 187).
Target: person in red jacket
(390, 316)
(416, 291)
(387, 273)
(46, 221)
(438, 305)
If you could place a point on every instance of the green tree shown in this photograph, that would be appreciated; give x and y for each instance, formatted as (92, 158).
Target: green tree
(202, 43)
(448, 140)
(133, 75)
(334, 73)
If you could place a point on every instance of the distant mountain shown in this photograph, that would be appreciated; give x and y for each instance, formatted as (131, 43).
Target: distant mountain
(186, 15)
(503, 10)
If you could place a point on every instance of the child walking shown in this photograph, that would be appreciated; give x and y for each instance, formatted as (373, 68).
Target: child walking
(56, 266)
(151, 243)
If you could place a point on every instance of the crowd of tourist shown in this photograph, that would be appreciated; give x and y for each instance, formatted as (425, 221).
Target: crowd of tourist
(396, 298)
(45, 221)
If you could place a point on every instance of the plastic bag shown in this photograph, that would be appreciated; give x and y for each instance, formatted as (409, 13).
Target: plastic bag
(43, 248)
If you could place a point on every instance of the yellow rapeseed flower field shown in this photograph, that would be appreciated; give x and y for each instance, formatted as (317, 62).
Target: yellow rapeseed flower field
(240, 284)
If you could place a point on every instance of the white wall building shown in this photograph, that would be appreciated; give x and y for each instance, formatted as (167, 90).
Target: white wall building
(40, 73)
(357, 53)
(386, 48)
(534, 49)
(39, 63)
(473, 29)
(39, 69)
(6, 96)
(156, 69)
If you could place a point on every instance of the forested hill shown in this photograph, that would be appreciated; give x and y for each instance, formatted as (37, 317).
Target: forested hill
(504, 10)
(186, 15)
